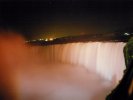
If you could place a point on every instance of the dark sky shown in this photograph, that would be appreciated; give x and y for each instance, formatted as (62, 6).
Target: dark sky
(65, 17)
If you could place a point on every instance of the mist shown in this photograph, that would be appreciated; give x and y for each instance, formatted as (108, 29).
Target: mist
(29, 73)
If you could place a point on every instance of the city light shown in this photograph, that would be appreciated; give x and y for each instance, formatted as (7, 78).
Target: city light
(51, 39)
(46, 39)
(126, 34)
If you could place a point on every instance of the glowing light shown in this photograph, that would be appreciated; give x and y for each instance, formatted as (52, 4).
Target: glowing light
(51, 39)
(27, 41)
(126, 34)
(33, 40)
(46, 39)
(41, 39)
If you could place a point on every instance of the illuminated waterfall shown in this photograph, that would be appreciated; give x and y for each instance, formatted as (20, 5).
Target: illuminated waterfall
(60, 72)
(105, 58)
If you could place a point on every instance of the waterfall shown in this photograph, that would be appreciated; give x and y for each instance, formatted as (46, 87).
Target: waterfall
(105, 58)
(59, 72)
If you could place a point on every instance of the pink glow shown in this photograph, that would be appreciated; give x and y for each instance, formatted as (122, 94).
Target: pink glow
(107, 59)
(74, 71)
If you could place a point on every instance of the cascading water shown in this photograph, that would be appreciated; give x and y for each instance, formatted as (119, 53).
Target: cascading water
(73, 71)
(105, 58)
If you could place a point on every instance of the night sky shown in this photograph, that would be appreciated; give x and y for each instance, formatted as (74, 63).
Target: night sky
(33, 18)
